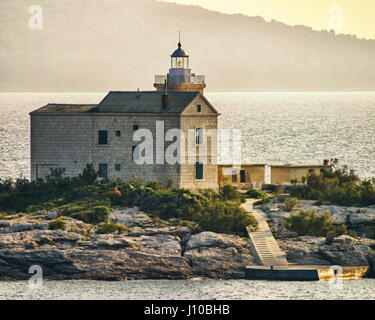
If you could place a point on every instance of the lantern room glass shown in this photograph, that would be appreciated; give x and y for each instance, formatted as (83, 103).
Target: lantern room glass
(180, 62)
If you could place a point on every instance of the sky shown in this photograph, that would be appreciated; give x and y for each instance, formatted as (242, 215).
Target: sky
(345, 16)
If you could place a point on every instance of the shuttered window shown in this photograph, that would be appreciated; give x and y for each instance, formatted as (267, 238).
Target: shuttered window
(199, 171)
(103, 170)
(103, 137)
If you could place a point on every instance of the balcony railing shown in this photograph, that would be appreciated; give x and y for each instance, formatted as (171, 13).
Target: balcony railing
(160, 79)
(198, 79)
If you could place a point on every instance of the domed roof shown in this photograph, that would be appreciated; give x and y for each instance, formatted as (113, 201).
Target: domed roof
(179, 52)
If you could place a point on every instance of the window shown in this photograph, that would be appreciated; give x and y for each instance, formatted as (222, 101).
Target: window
(242, 176)
(118, 167)
(234, 176)
(199, 135)
(118, 133)
(103, 170)
(321, 170)
(199, 108)
(103, 137)
(199, 171)
(311, 170)
(135, 127)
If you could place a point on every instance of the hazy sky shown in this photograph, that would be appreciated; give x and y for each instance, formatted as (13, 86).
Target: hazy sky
(358, 16)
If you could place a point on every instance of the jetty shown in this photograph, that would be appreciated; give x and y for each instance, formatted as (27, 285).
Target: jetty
(272, 262)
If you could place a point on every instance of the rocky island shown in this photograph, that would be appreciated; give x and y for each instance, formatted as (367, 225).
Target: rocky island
(79, 228)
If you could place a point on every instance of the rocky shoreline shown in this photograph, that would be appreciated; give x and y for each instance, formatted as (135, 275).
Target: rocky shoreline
(343, 251)
(148, 251)
(161, 250)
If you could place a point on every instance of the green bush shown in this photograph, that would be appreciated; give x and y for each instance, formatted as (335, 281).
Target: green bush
(85, 199)
(310, 223)
(290, 204)
(341, 187)
(57, 224)
(111, 227)
(262, 201)
(226, 219)
(256, 194)
(93, 215)
(229, 192)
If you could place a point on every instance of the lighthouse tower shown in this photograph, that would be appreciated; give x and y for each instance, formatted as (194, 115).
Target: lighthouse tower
(180, 77)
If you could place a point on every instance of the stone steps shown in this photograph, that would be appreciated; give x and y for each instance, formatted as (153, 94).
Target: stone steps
(262, 242)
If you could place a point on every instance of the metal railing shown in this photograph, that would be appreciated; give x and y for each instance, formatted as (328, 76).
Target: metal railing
(159, 79)
(198, 79)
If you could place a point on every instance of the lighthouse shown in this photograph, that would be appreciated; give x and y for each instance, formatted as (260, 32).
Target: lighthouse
(180, 77)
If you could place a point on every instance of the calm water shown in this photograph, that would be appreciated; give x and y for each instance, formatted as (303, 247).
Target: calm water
(276, 127)
(190, 290)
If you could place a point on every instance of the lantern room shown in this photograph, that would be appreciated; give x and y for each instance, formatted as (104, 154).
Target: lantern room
(180, 58)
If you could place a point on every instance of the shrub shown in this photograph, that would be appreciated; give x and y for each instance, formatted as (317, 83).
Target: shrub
(111, 227)
(57, 224)
(93, 215)
(229, 192)
(89, 175)
(262, 201)
(256, 194)
(311, 223)
(290, 204)
(226, 219)
(341, 187)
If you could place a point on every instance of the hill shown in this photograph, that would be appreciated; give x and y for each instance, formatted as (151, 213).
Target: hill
(95, 45)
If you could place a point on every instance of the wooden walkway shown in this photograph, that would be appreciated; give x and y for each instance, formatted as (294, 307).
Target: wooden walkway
(262, 242)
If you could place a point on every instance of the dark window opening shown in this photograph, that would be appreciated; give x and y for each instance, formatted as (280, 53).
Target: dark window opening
(103, 137)
(199, 171)
(199, 108)
(311, 170)
(118, 167)
(103, 170)
(242, 176)
(135, 127)
(118, 133)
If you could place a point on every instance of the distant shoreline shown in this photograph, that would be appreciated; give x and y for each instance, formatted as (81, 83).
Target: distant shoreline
(213, 91)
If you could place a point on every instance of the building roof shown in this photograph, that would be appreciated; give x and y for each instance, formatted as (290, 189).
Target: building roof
(65, 108)
(292, 165)
(146, 102)
(131, 102)
(179, 52)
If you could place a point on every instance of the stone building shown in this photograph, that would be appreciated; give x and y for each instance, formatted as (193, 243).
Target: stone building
(72, 136)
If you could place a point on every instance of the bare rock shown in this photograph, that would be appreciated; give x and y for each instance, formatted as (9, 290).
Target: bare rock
(211, 239)
(344, 239)
(130, 217)
(52, 215)
(219, 263)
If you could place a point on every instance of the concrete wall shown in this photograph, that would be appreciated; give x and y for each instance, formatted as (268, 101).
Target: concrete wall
(284, 175)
